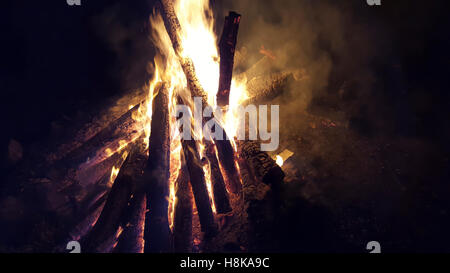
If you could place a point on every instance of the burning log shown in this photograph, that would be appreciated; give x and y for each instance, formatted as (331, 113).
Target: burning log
(224, 148)
(267, 87)
(182, 227)
(227, 46)
(225, 153)
(261, 67)
(116, 203)
(124, 128)
(260, 205)
(131, 240)
(198, 184)
(157, 175)
(220, 193)
(263, 166)
(173, 28)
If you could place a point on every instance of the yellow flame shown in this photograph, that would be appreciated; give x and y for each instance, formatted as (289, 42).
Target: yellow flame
(114, 173)
(199, 42)
(279, 160)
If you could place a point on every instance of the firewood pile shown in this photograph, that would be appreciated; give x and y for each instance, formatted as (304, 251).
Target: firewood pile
(127, 210)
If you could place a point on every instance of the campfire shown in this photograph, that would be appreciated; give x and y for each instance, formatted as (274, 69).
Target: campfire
(167, 192)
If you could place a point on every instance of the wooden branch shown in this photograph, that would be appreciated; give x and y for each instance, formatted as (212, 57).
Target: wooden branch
(220, 193)
(227, 46)
(157, 175)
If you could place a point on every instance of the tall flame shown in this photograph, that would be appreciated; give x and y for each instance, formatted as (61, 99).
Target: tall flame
(199, 43)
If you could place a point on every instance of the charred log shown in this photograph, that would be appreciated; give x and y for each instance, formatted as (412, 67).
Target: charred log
(227, 46)
(173, 28)
(224, 148)
(226, 156)
(197, 180)
(131, 240)
(111, 215)
(221, 200)
(198, 184)
(260, 207)
(182, 226)
(157, 175)
(267, 87)
(124, 128)
(260, 163)
(261, 67)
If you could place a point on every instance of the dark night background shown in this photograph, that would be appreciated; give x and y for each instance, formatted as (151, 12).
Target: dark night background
(60, 64)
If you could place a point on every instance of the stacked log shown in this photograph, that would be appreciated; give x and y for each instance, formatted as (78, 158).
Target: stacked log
(182, 226)
(93, 151)
(260, 201)
(264, 168)
(132, 238)
(268, 86)
(227, 46)
(221, 199)
(194, 167)
(116, 205)
(224, 147)
(199, 189)
(156, 174)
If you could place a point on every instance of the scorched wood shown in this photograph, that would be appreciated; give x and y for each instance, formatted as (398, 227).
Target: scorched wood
(198, 183)
(157, 174)
(221, 200)
(226, 156)
(182, 226)
(261, 164)
(267, 87)
(224, 148)
(194, 167)
(132, 238)
(93, 151)
(227, 46)
(111, 215)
